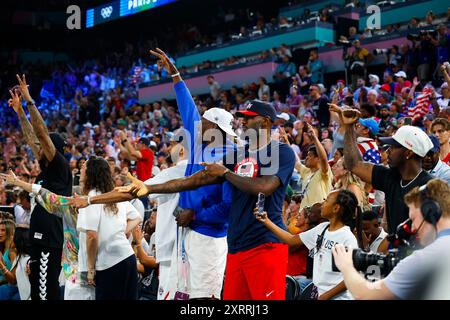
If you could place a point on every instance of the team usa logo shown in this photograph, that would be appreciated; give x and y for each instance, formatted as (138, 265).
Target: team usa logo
(247, 168)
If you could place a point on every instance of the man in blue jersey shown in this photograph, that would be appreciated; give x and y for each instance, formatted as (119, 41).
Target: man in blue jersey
(204, 218)
(257, 260)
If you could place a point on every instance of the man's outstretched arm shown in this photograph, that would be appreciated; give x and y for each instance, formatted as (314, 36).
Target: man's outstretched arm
(138, 189)
(352, 158)
(198, 179)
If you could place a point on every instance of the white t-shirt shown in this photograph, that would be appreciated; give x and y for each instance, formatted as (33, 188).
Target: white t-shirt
(411, 278)
(443, 103)
(323, 276)
(376, 243)
(166, 226)
(22, 216)
(139, 207)
(23, 283)
(113, 245)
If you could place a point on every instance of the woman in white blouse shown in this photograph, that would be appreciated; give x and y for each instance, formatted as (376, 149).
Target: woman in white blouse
(109, 255)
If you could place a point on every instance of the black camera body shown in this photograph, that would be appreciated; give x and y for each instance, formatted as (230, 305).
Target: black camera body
(362, 260)
(402, 247)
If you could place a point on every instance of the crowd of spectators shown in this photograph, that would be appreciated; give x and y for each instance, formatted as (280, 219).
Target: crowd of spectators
(95, 106)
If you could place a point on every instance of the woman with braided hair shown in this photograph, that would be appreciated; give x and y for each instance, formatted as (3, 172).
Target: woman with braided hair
(341, 209)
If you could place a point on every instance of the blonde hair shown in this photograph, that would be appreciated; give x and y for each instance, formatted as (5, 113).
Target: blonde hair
(10, 226)
(438, 190)
(351, 179)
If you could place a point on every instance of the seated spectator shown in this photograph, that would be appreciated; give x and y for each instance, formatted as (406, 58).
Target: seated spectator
(8, 253)
(402, 82)
(344, 179)
(444, 100)
(340, 208)
(441, 129)
(396, 110)
(146, 262)
(22, 211)
(263, 88)
(294, 100)
(299, 263)
(374, 82)
(433, 165)
(284, 70)
(374, 237)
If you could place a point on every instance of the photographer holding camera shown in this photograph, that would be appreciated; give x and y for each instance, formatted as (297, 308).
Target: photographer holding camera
(357, 61)
(429, 211)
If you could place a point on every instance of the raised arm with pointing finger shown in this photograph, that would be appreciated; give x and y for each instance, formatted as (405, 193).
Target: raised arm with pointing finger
(39, 126)
(27, 130)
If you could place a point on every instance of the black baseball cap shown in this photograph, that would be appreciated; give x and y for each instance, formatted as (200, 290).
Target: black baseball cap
(144, 141)
(258, 108)
(58, 141)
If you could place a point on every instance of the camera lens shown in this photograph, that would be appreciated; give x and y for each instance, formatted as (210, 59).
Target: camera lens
(362, 260)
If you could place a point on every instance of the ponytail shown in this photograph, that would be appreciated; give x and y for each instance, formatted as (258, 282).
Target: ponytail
(351, 212)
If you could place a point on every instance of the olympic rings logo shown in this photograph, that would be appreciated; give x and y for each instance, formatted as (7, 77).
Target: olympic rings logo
(106, 12)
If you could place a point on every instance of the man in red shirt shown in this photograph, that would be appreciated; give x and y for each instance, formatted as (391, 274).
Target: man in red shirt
(402, 82)
(143, 156)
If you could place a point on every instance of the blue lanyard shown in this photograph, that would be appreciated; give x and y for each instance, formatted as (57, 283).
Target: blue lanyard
(443, 233)
(183, 251)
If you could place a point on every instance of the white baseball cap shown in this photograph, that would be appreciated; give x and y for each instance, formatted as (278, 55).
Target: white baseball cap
(374, 77)
(401, 74)
(222, 118)
(283, 116)
(411, 138)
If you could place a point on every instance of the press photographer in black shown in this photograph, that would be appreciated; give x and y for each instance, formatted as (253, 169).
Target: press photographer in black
(429, 211)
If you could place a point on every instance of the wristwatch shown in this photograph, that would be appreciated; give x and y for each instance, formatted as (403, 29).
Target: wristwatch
(30, 103)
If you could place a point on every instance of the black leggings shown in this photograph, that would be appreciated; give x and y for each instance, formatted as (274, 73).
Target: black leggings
(118, 282)
(45, 267)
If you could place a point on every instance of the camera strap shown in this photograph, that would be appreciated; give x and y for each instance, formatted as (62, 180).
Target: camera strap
(319, 242)
(302, 194)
